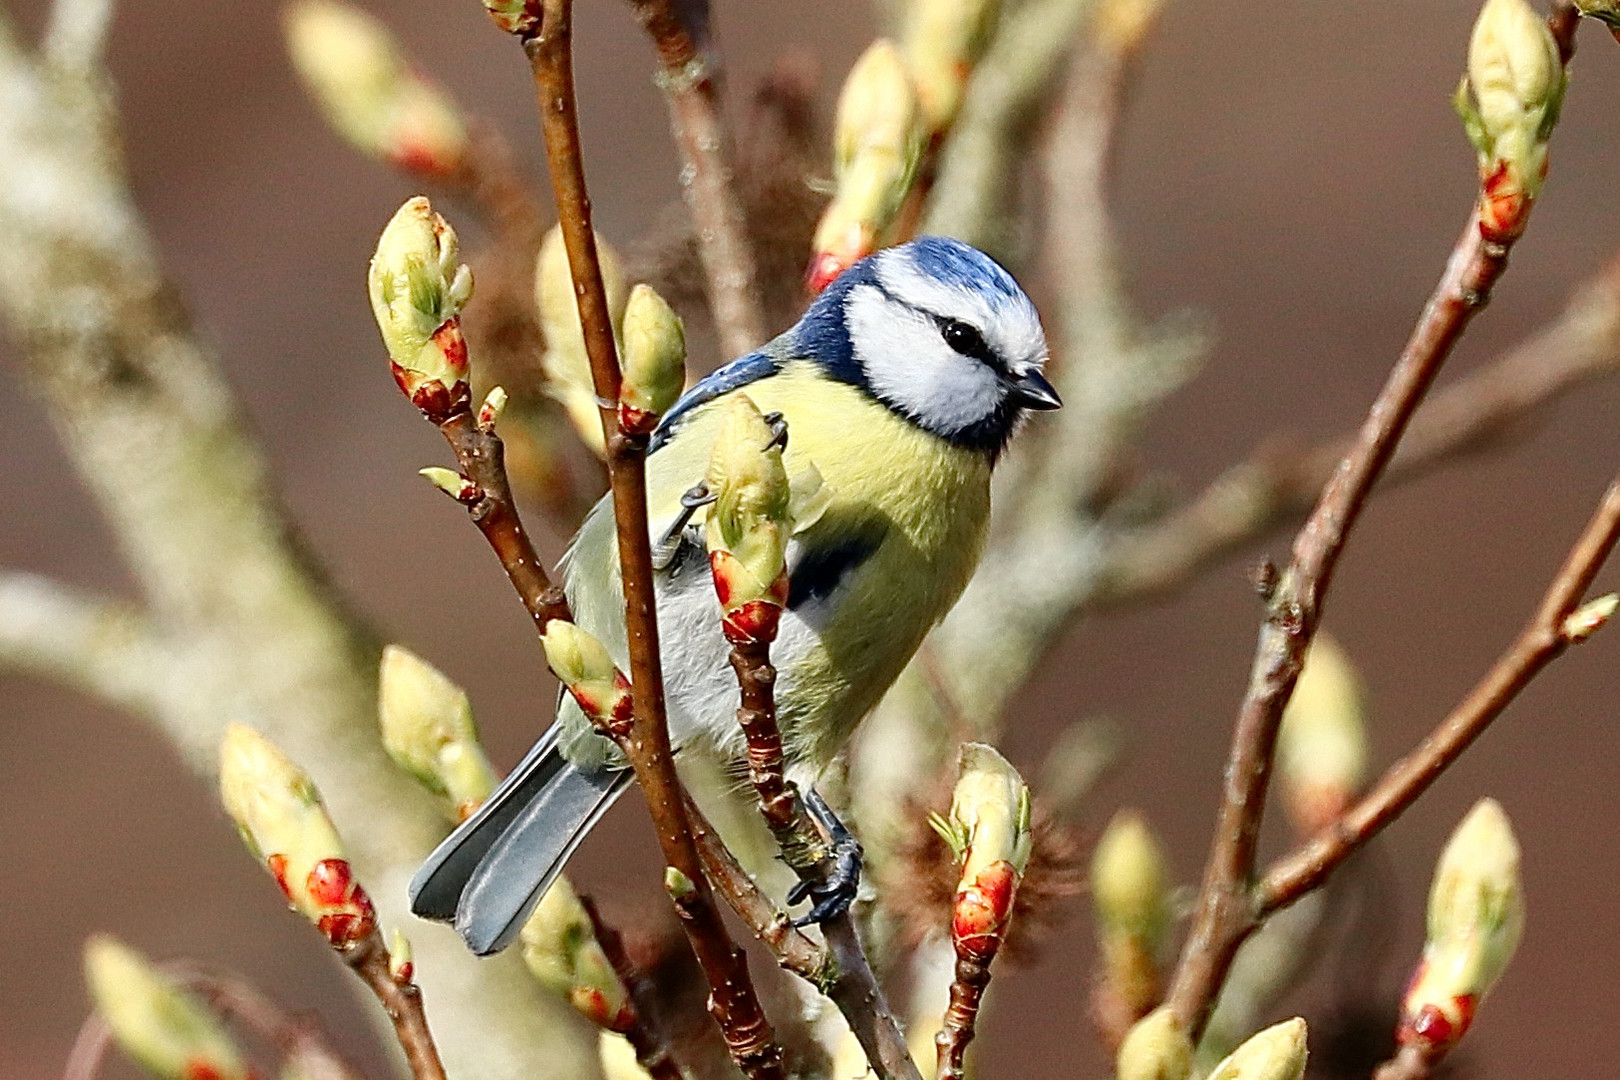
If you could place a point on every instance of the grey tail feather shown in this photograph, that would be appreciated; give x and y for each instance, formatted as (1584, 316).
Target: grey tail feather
(488, 874)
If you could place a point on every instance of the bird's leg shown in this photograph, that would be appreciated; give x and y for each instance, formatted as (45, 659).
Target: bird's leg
(833, 891)
(779, 435)
(663, 552)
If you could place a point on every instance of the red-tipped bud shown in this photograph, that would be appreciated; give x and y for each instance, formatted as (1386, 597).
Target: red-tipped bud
(418, 287)
(582, 664)
(281, 818)
(988, 830)
(748, 525)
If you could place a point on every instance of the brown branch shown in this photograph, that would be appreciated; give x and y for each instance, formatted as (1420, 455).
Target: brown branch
(732, 1000)
(89, 1049)
(1408, 1063)
(401, 1000)
(1278, 481)
(700, 131)
(967, 993)
(1546, 637)
(481, 456)
(849, 982)
(1224, 914)
(651, 1045)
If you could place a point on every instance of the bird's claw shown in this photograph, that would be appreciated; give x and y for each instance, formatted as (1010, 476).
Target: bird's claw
(834, 890)
(779, 430)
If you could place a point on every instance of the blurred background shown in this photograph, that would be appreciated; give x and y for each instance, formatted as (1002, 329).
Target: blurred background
(1292, 173)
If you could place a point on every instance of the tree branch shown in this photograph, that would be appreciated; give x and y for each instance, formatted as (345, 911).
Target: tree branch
(401, 1000)
(732, 1000)
(1224, 913)
(1275, 483)
(704, 141)
(1546, 637)
(101, 646)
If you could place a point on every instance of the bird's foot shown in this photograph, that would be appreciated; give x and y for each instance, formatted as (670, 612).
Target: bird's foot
(839, 874)
(664, 551)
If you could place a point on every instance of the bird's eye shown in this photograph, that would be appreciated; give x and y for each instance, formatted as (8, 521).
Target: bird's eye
(964, 339)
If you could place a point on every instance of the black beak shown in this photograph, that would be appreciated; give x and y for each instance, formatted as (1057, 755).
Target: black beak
(1030, 390)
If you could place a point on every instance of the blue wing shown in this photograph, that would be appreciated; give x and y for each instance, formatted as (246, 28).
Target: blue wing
(722, 380)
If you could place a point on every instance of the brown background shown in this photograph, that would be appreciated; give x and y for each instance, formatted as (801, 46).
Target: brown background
(1293, 171)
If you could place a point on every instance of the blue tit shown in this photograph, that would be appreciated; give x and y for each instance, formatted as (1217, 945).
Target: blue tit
(901, 386)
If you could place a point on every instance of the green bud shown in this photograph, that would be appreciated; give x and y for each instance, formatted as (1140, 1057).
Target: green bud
(1277, 1053)
(160, 1024)
(428, 729)
(561, 951)
(1156, 1048)
(747, 527)
(418, 286)
(942, 41)
(1322, 745)
(654, 360)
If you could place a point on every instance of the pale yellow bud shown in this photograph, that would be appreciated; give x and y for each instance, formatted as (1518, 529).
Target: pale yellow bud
(401, 962)
(1156, 1048)
(418, 286)
(428, 729)
(878, 143)
(281, 818)
(354, 69)
(521, 17)
(582, 664)
(748, 527)
(1130, 880)
(1475, 920)
(1277, 1053)
(165, 1028)
(942, 41)
(567, 367)
(561, 951)
(1509, 102)
(1322, 745)
(654, 358)
(990, 809)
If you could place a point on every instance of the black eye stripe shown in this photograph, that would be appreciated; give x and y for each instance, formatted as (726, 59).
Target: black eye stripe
(967, 340)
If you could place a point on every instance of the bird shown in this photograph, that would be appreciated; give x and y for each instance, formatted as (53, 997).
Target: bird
(900, 387)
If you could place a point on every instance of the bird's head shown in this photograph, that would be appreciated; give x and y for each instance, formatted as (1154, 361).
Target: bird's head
(938, 332)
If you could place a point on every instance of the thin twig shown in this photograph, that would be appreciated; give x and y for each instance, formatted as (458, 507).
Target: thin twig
(481, 456)
(1225, 911)
(651, 1045)
(299, 1038)
(401, 1000)
(701, 134)
(89, 1049)
(967, 994)
(732, 1000)
(1539, 644)
(1277, 481)
(1408, 1063)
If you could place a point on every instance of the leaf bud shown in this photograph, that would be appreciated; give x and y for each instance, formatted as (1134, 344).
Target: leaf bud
(520, 17)
(1130, 890)
(1509, 102)
(428, 729)
(561, 951)
(418, 287)
(354, 69)
(1277, 1053)
(1156, 1048)
(164, 1027)
(281, 818)
(942, 41)
(988, 830)
(654, 360)
(747, 528)
(582, 664)
(877, 145)
(567, 367)
(1322, 744)
(1475, 919)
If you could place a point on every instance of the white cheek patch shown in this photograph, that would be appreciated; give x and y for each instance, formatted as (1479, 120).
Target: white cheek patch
(908, 364)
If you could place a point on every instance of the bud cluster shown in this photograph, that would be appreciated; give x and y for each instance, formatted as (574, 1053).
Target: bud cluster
(428, 729)
(280, 816)
(1475, 919)
(878, 143)
(354, 69)
(561, 951)
(748, 525)
(1509, 103)
(988, 830)
(418, 286)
